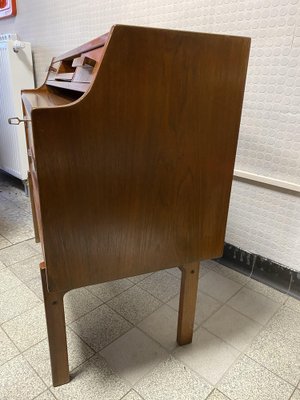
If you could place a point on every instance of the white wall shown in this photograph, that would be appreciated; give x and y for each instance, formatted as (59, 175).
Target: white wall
(261, 220)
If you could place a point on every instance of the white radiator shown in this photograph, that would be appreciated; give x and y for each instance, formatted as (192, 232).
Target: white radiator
(16, 73)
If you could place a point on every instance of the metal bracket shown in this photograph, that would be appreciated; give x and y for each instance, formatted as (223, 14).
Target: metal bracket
(17, 120)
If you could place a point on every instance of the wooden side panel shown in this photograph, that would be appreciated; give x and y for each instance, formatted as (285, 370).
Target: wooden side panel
(139, 173)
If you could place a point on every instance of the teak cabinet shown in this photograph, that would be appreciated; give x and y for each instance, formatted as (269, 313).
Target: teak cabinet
(131, 144)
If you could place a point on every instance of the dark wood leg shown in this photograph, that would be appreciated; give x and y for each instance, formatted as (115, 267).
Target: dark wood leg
(56, 326)
(187, 303)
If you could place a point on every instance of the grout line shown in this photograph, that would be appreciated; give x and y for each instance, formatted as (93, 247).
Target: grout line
(272, 372)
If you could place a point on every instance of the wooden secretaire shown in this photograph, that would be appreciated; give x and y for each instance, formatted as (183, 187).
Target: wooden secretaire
(131, 144)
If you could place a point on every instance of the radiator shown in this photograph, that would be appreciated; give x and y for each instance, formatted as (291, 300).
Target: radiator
(16, 73)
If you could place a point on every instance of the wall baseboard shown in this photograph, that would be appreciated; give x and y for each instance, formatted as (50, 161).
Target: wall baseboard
(262, 269)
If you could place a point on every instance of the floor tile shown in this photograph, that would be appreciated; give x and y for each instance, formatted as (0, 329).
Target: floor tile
(8, 280)
(108, 290)
(205, 306)
(35, 285)
(92, 380)
(162, 326)
(296, 395)
(286, 323)
(15, 301)
(45, 396)
(218, 286)
(4, 242)
(173, 380)
(293, 303)
(21, 382)
(39, 358)
(161, 285)
(174, 271)
(2, 266)
(135, 304)
(234, 275)
(254, 305)
(267, 291)
(207, 355)
(7, 349)
(78, 302)
(20, 233)
(100, 327)
(13, 254)
(139, 278)
(211, 265)
(228, 272)
(27, 269)
(27, 329)
(132, 395)
(278, 354)
(217, 395)
(248, 380)
(233, 327)
(36, 246)
(133, 355)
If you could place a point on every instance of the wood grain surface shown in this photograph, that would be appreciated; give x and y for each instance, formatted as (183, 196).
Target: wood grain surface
(135, 175)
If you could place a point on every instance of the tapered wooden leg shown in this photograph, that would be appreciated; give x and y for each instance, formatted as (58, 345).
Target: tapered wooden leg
(187, 303)
(57, 339)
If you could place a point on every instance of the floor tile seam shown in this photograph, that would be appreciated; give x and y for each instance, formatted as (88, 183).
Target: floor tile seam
(194, 371)
(239, 356)
(213, 313)
(106, 301)
(135, 283)
(278, 335)
(22, 312)
(44, 393)
(76, 334)
(102, 348)
(268, 297)
(25, 259)
(46, 338)
(253, 320)
(292, 309)
(283, 306)
(12, 358)
(83, 315)
(12, 287)
(153, 312)
(229, 398)
(134, 390)
(225, 275)
(10, 339)
(71, 371)
(161, 302)
(261, 327)
(156, 297)
(156, 341)
(165, 358)
(224, 302)
(10, 243)
(26, 281)
(14, 204)
(127, 320)
(170, 273)
(33, 370)
(226, 372)
(272, 372)
(290, 398)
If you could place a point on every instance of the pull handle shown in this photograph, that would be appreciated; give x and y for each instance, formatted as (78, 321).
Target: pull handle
(17, 120)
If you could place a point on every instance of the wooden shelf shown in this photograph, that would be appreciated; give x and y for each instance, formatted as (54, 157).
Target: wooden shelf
(44, 99)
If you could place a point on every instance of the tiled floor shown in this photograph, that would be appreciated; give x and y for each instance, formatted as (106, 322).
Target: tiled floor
(122, 335)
